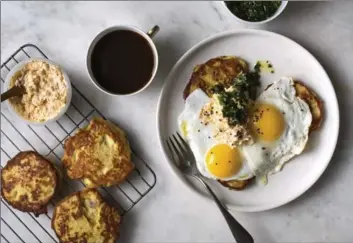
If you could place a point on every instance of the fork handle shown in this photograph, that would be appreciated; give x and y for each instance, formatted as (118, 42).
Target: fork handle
(239, 232)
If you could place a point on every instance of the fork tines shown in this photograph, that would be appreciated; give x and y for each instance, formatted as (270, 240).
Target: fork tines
(178, 148)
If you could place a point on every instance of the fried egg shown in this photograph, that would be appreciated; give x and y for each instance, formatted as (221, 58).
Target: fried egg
(279, 122)
(214, 159)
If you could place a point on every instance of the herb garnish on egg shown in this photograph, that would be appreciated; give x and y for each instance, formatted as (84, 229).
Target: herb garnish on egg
(236, 99)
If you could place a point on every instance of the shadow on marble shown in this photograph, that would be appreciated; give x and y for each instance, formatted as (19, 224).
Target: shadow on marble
(300, 8)
(127, 228)
(169, 51)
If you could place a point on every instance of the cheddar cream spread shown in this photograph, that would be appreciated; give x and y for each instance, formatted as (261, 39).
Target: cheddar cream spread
(46, 91)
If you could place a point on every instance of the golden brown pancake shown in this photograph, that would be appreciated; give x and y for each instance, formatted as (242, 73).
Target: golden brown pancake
(237, 185)
(314, 102)
(29, 182)
(86, 217)
(100, 154)
(219, 70)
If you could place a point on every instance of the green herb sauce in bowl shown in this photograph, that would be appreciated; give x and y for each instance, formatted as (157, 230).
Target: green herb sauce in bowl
(256, 12)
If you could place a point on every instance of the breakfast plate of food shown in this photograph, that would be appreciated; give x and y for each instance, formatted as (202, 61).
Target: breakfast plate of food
(256, 109)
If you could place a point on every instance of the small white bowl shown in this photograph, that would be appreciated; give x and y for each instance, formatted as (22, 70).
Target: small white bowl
(275, 15)
(17, 68)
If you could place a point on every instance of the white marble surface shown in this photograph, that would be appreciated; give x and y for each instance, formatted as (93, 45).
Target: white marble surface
(171, 212)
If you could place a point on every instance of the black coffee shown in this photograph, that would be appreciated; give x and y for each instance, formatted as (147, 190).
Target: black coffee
(122, 62)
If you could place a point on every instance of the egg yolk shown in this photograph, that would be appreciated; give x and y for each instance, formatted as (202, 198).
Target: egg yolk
(267, 122)
(223, 161)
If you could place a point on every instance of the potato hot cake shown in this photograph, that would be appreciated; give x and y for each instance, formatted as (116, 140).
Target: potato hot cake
(314, 102)
(85, 217)
(28, 182)
(216, 71)
(100, 154)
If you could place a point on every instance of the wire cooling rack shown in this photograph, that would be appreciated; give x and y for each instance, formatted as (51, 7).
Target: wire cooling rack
(48, 140)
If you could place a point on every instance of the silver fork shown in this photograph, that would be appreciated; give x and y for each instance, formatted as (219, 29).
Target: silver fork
(185, 160)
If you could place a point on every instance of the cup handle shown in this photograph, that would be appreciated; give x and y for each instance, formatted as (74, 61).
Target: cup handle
(152, 32)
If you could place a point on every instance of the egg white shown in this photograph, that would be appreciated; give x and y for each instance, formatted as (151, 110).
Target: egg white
(199, 136)
(297, 116)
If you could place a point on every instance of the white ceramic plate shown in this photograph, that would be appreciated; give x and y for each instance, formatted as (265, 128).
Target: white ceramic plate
(288, 59)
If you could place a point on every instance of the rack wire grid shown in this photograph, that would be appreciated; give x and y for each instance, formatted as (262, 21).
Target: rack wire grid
(48, 140)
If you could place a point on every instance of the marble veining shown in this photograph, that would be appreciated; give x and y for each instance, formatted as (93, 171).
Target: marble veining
(171, 212)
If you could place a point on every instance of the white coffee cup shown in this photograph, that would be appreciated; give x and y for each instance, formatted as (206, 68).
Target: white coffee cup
(147, 36)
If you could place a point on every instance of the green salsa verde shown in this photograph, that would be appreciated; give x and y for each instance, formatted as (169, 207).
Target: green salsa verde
(253, 11)
(235, 101)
